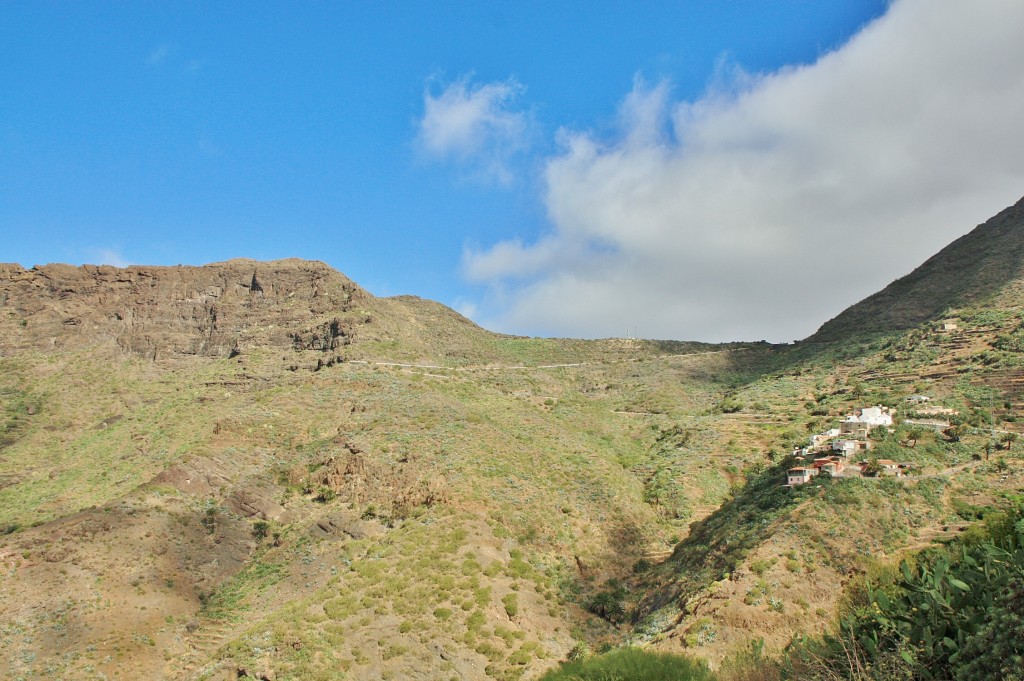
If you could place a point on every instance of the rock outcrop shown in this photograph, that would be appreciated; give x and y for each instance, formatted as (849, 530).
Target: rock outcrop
(158, 312)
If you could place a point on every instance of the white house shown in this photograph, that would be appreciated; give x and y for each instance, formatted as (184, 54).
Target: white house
(848, 446)
(860, 423)
(890, 467)
(875, 416)
(821, 438)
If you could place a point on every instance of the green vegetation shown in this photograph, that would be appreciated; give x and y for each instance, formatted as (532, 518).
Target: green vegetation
(949, 613)
(233, 597)
(609, 603)
(631, 664)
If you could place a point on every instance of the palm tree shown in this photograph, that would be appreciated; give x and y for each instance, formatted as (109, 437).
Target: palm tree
(913, 435)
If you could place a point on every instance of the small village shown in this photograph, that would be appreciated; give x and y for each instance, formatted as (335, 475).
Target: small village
(840, 452)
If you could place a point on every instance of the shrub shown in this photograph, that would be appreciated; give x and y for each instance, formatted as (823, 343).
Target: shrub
(260, 530)
(511, 602)
(578, 652)
(633, 664)
(475, 621)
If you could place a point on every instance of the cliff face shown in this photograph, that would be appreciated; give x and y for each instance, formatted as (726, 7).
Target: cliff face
(158, 312)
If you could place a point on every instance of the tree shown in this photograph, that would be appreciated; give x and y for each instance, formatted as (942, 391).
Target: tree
(1007, 440)
(610, 602)
(913, 435)
(982, 418)
(955, 432)
(210, 516)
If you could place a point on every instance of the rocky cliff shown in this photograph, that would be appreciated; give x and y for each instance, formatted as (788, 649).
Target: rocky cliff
(156, 312)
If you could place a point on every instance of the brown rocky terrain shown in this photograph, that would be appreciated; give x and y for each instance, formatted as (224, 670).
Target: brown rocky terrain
(158, 312)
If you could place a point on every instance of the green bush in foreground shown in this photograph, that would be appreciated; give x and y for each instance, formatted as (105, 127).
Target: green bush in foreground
(631, 664)
(952, 613)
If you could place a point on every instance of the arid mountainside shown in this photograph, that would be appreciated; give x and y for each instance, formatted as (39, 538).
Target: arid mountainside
(260, 470)
(211, 311)
(378, 485)
(973, 268)
(172, 310)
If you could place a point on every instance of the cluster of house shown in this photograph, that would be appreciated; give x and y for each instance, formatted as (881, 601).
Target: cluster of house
(843, 442)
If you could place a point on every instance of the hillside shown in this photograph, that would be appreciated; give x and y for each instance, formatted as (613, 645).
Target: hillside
(194, 457)
(773, 561)
(976, 266)
(261, 470)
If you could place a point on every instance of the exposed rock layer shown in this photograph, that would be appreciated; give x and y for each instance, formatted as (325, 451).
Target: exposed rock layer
(212, 310)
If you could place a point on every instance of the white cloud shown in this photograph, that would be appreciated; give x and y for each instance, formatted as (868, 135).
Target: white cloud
(160, 54)
(774, 201)
(107, 256)
(475, 125)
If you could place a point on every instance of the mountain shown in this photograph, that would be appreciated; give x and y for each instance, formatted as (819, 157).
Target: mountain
(785, 563)
(211, 311)
(261, 470)
(975, 267)
(241, 306)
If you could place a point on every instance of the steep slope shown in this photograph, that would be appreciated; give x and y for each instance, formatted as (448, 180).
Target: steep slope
(773, 562)
(259, 470)
(976, 266)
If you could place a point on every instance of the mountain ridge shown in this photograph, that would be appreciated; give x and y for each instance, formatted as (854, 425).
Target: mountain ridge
(213, 310)
(972, 268)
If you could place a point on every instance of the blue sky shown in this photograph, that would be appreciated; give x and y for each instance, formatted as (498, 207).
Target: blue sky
(488, 155)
